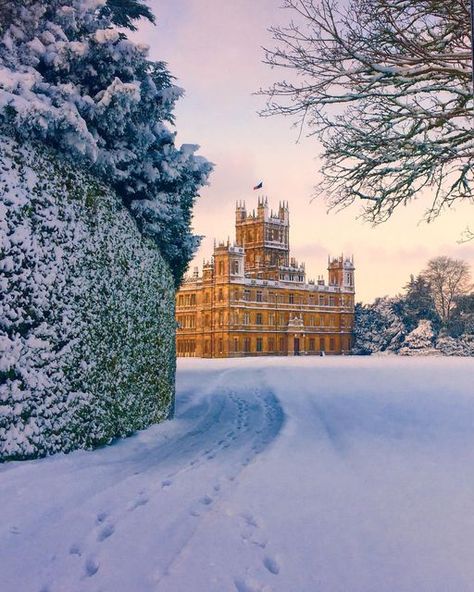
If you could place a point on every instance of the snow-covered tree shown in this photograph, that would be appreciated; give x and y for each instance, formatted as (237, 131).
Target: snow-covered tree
(448, 280)
(418, 303)
(387, 87)
(378, 327)
(462, 318)
(69, 77)
(420, 341)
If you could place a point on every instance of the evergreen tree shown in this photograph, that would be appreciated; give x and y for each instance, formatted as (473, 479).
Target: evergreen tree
(70, 78)
(418, 303)
(378, 327)
(123, 13)
(420, 341)
(462, 319)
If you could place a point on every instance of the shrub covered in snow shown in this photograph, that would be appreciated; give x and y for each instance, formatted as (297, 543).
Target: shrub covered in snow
(86, 310)
(71, 79)
(420, 341)
(452, 346)
(378, 327)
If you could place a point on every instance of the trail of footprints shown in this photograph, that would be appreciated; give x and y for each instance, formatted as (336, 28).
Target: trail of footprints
(105, 527)
(251, 533)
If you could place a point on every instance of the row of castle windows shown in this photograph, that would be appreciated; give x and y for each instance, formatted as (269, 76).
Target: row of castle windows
(260, 296)
(272, 345)
(281, 319)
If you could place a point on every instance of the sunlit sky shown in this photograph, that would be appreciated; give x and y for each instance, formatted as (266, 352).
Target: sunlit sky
(214, 48)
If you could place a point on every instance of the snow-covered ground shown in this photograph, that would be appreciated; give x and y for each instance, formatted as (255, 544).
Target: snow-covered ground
(283, 475)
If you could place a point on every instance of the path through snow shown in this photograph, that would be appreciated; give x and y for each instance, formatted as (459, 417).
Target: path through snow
(305, 475)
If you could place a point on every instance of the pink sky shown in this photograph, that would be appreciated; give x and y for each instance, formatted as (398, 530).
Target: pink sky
(214, 49)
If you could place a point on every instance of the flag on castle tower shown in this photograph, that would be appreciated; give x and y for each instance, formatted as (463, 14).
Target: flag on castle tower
(259, 186)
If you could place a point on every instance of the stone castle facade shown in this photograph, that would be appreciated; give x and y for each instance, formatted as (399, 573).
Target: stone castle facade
(252, 299)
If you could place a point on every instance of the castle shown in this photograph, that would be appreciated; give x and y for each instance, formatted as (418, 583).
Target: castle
(252, 299)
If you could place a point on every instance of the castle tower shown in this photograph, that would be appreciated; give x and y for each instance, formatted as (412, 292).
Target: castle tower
(265, 237)
(228, 262)
(341, 272)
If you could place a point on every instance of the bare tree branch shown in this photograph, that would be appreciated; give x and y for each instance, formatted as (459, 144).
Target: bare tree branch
(385, 85)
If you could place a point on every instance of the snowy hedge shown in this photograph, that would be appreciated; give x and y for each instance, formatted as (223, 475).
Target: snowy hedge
(86, 310)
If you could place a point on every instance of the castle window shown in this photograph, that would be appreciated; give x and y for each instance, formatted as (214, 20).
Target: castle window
(322, 344)
(221, 267)
(221, 345)
(271, 319)
(282, 344)
(259, 296)
(206, 297)
(181, 300)
(271, 344)
(331, 301)
(221, 319)
(247, 345)
(247, 295)
(236, 344)
(221, 295)
(259, 344)
(259, 318)
(235, 267)
(321, 301)
(291, 298)
(332, 344)
(193, 299)
(246, 319)
(311, 345)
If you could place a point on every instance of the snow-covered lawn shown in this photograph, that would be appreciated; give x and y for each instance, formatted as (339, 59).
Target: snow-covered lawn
(283, 475)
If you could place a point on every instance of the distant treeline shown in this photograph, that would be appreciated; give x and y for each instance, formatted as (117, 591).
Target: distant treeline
(434, 315)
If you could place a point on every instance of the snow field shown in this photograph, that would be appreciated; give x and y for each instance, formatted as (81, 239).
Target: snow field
(278, 475)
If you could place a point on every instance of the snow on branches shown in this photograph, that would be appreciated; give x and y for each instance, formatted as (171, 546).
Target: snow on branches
(71, 79)
(386, 86)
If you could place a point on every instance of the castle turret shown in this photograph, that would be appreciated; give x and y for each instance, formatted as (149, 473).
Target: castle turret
(341, 272)
(240, 211)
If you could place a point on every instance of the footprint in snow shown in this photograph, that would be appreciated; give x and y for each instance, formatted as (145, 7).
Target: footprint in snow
(271, 565)
(75, 549)
(206, 500)
(166, 483)
(106, 532)
(91, 567)
(250, 586)
(140, 500)
(101, 517)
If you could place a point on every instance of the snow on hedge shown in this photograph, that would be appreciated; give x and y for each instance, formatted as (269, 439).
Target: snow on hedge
(86, 310)
(71, 79)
